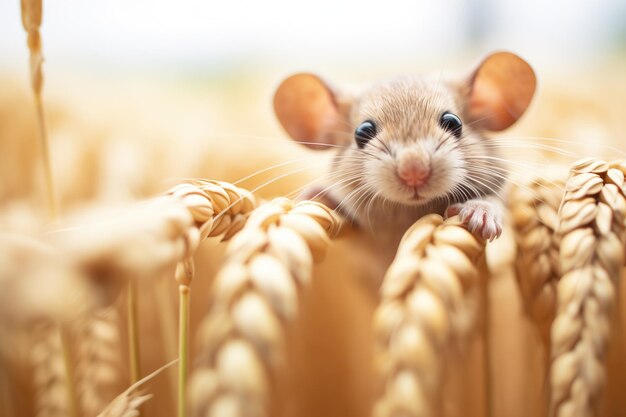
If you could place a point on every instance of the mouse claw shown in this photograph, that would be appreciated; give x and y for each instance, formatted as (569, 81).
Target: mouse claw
(481, 218)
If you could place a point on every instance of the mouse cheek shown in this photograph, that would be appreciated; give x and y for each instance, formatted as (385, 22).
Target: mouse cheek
(380, 177)
(447, 171)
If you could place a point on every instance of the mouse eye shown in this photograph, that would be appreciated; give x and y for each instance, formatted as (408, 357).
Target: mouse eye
(451, 123)
(365, 132)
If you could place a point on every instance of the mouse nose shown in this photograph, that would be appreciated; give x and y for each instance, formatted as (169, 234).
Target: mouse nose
(413, 172)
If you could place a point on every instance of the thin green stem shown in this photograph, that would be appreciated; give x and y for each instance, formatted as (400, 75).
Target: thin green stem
(183, 348)
(167, 324)
(486, 334)
(184, 275)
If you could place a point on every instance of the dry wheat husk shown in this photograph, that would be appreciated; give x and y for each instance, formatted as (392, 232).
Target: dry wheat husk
(428, 301)
(31, 20)
(111, 248)
(591, 255)
(254, 295)
(27, 267)
(534, 211)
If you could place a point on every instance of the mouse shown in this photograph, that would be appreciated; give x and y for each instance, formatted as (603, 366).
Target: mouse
(410, 145)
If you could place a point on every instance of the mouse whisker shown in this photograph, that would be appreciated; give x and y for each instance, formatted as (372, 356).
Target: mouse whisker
(560, 140)
(495, 159)
(368, 210)
(278, 165)
(342, 182)
(356, 195)
(507, 175)
(263, 140)
(484, 181)
(534, 146)
(254, 190)
(540, 183)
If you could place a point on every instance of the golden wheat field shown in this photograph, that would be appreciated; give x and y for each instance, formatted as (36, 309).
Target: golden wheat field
(164, 266)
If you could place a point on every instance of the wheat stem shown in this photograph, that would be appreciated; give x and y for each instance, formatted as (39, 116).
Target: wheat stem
(31, 20)
(53, 205)
(486, 334)
(167, 324)
(133, 333)
(184, 275)
(183, 338)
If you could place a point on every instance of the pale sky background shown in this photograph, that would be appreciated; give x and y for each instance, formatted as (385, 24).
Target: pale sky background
(218, 35)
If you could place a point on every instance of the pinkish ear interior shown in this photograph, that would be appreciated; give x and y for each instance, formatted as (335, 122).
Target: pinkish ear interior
(308, 110)
(501, 89)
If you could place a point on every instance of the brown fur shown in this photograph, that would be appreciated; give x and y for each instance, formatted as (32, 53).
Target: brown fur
(364, 182)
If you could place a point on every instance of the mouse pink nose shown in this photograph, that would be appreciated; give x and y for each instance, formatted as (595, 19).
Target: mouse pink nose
(413, 174)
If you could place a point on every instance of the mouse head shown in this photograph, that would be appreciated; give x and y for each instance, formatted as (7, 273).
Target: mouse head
(412, 140)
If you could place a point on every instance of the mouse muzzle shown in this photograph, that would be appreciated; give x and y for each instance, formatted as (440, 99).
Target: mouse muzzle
(413, 167)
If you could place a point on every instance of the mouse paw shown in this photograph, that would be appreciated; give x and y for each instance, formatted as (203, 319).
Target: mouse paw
(481, 217)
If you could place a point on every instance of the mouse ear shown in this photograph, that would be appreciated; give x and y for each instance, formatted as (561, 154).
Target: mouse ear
(309, 111)
(501, 89)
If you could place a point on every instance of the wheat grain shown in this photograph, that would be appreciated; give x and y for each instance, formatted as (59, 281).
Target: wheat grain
(99, 361)
(534, 208)
(426, 303)
(50, 379)
(591, 232)
(254, 295)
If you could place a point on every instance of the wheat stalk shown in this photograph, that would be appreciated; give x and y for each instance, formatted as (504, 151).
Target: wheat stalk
(254, 295)
(426, 304)
(133, 331)
(98, 367)
(534, 207)
(591, 232)
(218, 209)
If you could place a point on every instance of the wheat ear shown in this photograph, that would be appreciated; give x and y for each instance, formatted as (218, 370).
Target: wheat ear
(426, 304)
(591, 256)
(99, 365)
(31, 20)
(48, 358)
(534, 207)
(255, 293)
(218, 208)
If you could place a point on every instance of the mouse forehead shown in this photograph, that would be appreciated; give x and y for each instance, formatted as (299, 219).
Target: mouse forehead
(406, 105)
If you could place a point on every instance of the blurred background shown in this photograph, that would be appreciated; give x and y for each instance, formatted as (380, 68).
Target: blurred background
(141, 95)
(127, 83)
